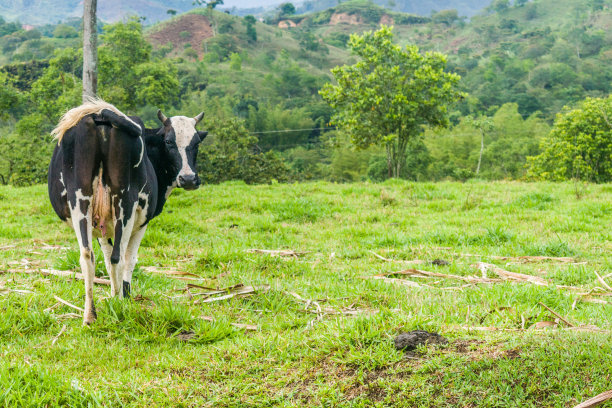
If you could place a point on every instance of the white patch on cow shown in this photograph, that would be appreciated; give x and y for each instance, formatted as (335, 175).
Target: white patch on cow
(170, 188)
(64, 191)
(184, 130)
(141, 152)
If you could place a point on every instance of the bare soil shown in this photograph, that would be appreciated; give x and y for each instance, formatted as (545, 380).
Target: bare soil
(198, 27)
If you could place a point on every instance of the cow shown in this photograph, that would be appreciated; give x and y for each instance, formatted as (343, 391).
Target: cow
(109, 176)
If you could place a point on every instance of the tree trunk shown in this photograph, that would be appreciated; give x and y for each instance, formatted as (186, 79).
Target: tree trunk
(90, 50)
(481, 150)
(389, 161)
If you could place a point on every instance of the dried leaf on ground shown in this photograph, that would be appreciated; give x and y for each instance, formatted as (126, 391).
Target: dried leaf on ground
(170, 272)
(543, 325)
(596, 400)
(277, 252)
(504, 274)
(244, 326)
(233, 291)
(18, 291)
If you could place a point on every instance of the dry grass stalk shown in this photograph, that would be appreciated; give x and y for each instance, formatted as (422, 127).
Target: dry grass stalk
(482, 266)
(244, 326)
(68, 316)
(58, 335)
(59, 299)
(277, 252)
(19, 291)
(233, 291)
(396, 281)
(415, 261)
(596, 400)
(526, 259)
(602, 281)
(74, 275)
(169, 272)
(563, 319)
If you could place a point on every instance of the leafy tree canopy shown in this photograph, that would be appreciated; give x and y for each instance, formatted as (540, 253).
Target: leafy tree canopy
(388, 96)
(579, 146)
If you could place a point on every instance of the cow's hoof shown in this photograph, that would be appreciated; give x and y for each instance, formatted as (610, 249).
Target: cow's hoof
(89, 320)
(126, 289)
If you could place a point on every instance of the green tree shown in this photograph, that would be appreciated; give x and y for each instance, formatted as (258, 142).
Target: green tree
(251, 32)
(388, 96)
(286, 9)
(65, 31)
(235, 61)
(483, 124)
(447, 17)
(579, 146)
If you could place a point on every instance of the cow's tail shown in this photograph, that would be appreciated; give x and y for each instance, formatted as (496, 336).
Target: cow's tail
(107, 113)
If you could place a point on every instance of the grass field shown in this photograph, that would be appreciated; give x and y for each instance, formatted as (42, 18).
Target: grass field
(319, 329)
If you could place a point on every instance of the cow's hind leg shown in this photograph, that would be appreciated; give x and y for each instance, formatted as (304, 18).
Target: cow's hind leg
(81, 216)
(106, 244)
(124, 224)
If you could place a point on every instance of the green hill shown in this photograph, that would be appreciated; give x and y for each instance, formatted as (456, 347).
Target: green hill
(520, 64)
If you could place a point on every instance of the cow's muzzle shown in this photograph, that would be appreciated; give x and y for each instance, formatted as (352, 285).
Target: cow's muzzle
(189, 182)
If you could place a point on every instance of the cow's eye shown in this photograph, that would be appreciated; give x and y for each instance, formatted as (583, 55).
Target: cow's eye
(168, 142)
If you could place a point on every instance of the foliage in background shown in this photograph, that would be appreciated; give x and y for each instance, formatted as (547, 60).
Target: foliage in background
(230, 153)
(388, 96)
(579, 145)
(536, 56)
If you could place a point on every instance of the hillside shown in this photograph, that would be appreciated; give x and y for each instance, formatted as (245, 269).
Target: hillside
(466, 8)
(520, 65)
(31, 11)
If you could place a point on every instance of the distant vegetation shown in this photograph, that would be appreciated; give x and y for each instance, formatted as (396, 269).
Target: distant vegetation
(520, 63)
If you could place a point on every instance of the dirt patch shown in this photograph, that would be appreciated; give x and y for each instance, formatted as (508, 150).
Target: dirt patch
(344, 18)
(188, 29)
(386, 20)
(286, 24)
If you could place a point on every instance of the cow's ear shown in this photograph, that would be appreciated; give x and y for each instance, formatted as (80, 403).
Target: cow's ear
(202, 134)
(199, 117)
(162, 118)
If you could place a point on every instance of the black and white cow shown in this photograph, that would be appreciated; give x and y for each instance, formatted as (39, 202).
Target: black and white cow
(109, 176)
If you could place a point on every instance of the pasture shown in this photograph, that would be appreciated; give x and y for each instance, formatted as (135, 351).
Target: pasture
(317, 328)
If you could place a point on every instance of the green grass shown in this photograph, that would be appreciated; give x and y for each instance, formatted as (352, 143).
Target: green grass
(164, 350)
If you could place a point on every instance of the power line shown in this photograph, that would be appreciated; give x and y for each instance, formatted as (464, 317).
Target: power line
(291, 130)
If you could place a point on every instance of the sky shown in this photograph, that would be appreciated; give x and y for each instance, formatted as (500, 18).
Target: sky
(250, 3)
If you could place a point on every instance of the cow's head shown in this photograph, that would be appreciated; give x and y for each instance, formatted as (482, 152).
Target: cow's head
(181, 140)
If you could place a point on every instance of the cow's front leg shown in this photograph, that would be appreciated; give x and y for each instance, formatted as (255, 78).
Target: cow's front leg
(131, 257)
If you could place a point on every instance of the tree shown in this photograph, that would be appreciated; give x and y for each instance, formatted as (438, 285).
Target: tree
(447, 17)
(286, 9)
(90, 49)
(483, 124)
(171, 12)
(389, 95)
(210, 6)
(579, 146)
(251, 32)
